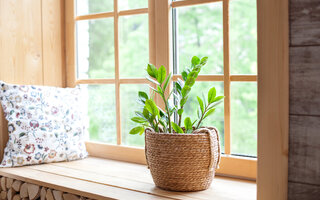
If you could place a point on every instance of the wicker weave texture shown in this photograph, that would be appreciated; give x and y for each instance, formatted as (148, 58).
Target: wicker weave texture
(183, 162)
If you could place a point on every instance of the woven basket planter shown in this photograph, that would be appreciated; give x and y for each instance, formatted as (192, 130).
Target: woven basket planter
(183, 162)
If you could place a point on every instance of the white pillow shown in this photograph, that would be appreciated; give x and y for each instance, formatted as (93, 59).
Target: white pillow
(45, 124)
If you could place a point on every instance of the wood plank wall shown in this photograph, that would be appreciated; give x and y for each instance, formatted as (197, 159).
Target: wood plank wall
(304, 147)
(31, 46)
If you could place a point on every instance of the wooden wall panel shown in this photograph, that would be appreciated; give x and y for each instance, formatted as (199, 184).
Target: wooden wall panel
(20, 41)
(273, 95)
(31, 46)
(304, 149)
(305, 22)
(299, 191)
(305, 80)
(53, 42)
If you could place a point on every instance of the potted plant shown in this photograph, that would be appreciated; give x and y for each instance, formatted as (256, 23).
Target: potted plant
(180, 158)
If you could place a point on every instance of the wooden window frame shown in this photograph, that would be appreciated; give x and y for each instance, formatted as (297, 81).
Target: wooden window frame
(272, 81)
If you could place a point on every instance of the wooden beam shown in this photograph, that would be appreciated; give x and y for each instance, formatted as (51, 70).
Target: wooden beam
(133, 12)
(273, 99)
(117, 71)
(226, 69)
(95, 16)
(176, 4)
(244, 78)
(70, 43)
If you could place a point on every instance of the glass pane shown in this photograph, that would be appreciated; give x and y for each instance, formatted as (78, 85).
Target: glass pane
(200, 32)
(243, 37)
(132, 4)
(95, 48)
(85, 7)
(190, 109)
(134, 45)
(101, 112)
(244, 118)
(128, 96)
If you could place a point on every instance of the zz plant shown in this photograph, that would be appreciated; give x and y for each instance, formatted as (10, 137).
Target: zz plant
(151, 115)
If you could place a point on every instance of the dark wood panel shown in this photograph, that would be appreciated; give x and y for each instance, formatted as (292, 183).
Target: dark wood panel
(305, 80)
(298, 191)
(305, 22)
(304, 149)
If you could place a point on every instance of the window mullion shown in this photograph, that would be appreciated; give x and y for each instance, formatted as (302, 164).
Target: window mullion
(162, 39)
(226, 67)
(116, 62)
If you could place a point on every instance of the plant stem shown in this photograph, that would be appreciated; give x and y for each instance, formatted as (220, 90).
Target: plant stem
(202, 115)
(180, 118)
(166, 107)
(168, 112)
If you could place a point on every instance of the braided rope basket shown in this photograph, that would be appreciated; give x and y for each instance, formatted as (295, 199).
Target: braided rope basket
(183, 162)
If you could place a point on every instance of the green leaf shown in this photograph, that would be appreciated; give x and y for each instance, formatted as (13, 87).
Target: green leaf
(203, 61)
(180, 111)
(190, 81)
(200, 104)
(176, 128)
(218, 98)
(153, 89)
(211, 95)
(152, 70)
(152, 107)
(160, 90)
(139, 120)
(178, 87)
(195, 60)
(146, 113)
(185, 90)
(167, 82)
(143, 96)
(183, 101)
(184, 75)
(153, 81)
(188, 124)
(210, 112)
(161, 76)
(180, 82)
(136, 130)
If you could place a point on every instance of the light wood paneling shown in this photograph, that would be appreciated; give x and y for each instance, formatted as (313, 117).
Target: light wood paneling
(305, 22)
(305, 80)
(20, 42)
(273, 99)
(70, 43)
(304, 162)
(298, 191)
(53, 42)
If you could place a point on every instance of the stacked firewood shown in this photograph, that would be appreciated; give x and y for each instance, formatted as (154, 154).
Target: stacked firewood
(18, 190)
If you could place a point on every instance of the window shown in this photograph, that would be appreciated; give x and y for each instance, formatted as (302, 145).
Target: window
(110, 36)
(109, 44)
(226, 32)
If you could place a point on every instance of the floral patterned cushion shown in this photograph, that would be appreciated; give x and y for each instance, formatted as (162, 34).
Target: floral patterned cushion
(45, 124)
